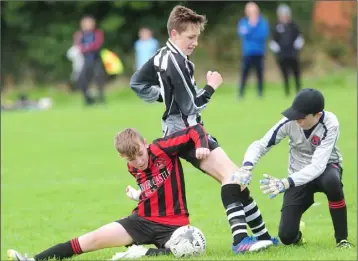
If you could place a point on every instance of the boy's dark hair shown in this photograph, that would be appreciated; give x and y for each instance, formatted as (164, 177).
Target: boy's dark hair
(180, 17)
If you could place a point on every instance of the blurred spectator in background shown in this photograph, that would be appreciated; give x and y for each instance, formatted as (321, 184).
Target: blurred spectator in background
(253, 31)
(23, 102)
(286, 44)
(89, 40)
(145, 47)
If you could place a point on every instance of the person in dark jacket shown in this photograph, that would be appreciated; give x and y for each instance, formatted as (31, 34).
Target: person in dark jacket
(286, 43)
(90, 40)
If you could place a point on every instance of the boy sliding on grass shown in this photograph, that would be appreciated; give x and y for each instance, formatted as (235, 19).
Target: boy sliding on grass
(161, 209)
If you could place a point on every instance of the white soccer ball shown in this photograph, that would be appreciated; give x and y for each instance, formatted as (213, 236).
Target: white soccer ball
(187, 241)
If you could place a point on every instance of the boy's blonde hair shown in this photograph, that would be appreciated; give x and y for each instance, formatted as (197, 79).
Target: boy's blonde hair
(127, 142)
(181, 16)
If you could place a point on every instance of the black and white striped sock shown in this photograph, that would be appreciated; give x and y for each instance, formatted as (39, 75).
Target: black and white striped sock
(234, 211)
(255, 221)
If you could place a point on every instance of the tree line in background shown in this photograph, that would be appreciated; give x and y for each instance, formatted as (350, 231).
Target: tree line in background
(35, 35)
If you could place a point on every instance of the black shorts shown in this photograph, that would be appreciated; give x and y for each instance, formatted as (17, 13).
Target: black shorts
(146, 232)
(189, 155)
(304, 195)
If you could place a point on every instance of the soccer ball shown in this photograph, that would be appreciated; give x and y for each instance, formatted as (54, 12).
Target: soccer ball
(187, 241)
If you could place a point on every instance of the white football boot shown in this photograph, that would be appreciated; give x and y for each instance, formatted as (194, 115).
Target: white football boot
(134, 251)
(14, 255)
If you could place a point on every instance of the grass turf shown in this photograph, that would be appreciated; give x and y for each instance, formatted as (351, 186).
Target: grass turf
(61, 176)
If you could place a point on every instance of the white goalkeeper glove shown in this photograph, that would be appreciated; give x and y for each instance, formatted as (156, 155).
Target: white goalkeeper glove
(132, 193)
(242, 176)
(273, 186)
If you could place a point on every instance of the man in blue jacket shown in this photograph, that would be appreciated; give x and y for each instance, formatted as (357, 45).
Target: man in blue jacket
(253, 31)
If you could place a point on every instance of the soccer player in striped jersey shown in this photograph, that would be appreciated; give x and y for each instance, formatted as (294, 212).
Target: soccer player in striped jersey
(314, 165)
(162, 204)
(168, 77)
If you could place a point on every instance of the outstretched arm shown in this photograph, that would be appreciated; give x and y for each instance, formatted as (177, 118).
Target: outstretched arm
(260, 147)
(274, 186)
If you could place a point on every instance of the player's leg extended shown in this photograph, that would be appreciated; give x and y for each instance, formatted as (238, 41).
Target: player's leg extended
(110, 235)
(222, 168)
(330, 183)
(254, 218)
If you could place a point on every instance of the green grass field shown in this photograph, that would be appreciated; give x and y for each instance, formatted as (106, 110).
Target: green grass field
(61, 176)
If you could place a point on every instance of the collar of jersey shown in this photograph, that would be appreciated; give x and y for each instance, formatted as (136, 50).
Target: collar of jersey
(175, 49)
(322, 117)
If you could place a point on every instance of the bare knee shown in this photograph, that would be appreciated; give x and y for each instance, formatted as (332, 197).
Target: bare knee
(90, 241)
(110, 235)
(212, 165)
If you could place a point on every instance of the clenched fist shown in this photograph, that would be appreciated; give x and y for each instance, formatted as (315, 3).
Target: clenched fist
(202, 153)
(132, 193)
(214, 79)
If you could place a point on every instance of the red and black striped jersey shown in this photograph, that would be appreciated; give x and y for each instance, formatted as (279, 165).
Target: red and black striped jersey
(162, 185)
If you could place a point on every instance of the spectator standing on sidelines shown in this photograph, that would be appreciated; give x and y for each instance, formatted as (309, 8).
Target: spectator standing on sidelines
(253, 31)
(286, 44)
(90, 40)
(145, 47)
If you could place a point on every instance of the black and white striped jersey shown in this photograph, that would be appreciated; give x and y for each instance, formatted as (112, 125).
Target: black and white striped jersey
(309, 153)
(169, 77)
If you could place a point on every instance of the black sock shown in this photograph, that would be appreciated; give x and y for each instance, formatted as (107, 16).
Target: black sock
(158, 251)
(230, 196)
(61, 251)
(253, 216)
(338, 210)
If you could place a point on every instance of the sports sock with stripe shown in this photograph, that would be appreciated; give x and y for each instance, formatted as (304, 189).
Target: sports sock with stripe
(60, 251)
(230, 196)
